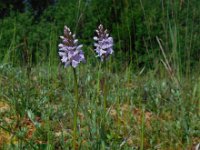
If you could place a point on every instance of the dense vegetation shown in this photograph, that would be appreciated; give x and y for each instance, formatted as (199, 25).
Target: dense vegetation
(134, 24)
(153, 77)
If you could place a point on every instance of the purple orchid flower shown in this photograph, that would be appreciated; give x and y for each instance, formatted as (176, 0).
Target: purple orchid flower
(104, 43)
(70, 52)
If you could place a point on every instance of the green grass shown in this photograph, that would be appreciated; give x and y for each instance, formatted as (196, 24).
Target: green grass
(143, 111)
(145, 97)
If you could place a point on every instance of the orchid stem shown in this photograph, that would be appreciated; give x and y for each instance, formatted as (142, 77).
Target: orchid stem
(75, 108)
(105, 91)
(98, 83)
(105, 96)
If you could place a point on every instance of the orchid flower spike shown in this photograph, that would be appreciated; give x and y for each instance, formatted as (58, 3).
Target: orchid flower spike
(103, 43)
(70, 52)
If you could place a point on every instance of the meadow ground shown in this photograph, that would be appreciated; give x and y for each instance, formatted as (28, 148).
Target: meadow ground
(145, 97)
(145, 109)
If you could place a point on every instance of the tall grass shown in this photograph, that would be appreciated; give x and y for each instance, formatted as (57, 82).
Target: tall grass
(151, 99)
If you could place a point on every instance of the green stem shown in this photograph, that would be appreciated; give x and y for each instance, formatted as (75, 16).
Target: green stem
(105, 96)
(105, 89)
(142, 129)
(98, 83)
(75, 108)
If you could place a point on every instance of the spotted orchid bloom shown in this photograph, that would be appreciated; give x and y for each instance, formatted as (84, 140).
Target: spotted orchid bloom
(70, 52)
(103, 43)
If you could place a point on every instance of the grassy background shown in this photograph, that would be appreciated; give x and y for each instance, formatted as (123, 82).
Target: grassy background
(153, 82)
